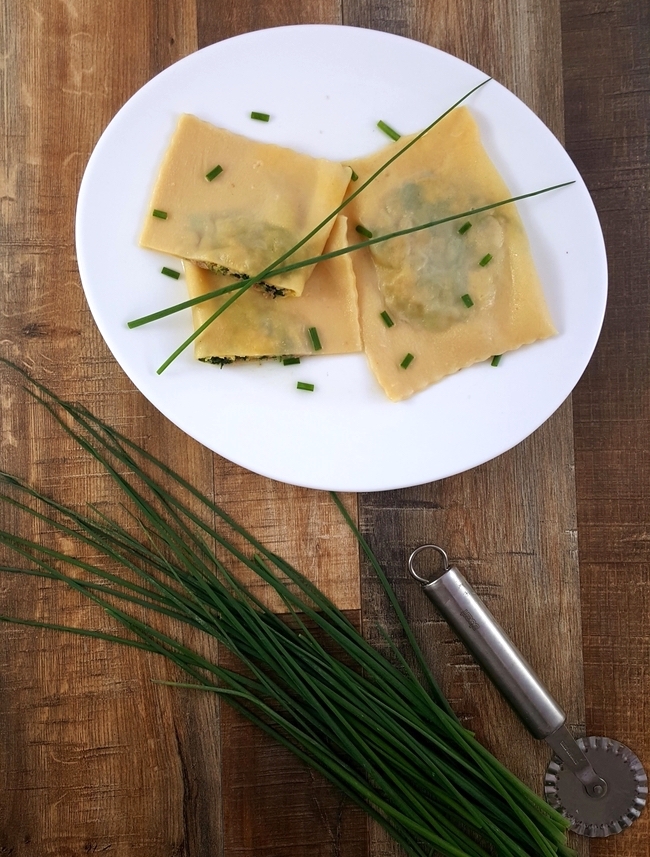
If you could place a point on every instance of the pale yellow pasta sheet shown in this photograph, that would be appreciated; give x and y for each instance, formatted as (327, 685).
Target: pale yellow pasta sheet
(265, 200)
(257, 325)
(457, 294)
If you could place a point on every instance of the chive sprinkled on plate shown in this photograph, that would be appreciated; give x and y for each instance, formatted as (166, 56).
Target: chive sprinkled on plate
(158, 213)
(388, 321)
(487, 258)
(465, 228)
(467, 301)
(391, 132)
(354, 177)
(315, 341)
(170, 272)
(261, 117)
(495, 360)
(214, 173)
(406, 362)
(290, 361)
(363, 231)
(303, 385)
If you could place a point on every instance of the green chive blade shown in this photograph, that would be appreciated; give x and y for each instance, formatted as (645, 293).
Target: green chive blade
(315, 339)
(243, 285)
(406, 362)
(363, 231)
(487, 258)
(466, 299)
(367, 724)
(261, 117)
(354, 177)
(214, 173)
(290, 361)
(162, 215)
(465, 228)
(391, 132)
(303, 385)
(388, 321)
(495, 360)
(170, 272)
(275, 266)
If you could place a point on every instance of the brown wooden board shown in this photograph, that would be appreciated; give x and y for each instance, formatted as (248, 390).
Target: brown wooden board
(606, 53)
(94, 757)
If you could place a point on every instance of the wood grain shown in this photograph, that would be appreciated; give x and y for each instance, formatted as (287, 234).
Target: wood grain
(607, 135)
(510, 528)
(93, 756)
(509, 525)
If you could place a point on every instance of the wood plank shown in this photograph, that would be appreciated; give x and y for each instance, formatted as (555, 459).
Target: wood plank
(93, 756)
(105, 759)
(509, 525)
(272, 803)
(606, 135)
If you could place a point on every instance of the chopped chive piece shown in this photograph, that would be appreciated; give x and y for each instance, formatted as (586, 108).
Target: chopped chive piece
(158, 213)
(392, 133)
(261, 117)
(363, 231)
(170, 272)
(406, 362)
(354, 176)
(214, 173)
(315, 341)
(388, 321)
(290, 361)
(465, 228)
(467, 301)
(495, 360)
(302, 385)
(485, 260)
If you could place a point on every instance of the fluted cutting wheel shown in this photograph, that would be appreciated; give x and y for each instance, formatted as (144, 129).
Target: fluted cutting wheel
(627, 789)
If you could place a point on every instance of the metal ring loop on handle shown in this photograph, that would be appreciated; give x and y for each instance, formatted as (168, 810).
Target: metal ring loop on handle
(442, 553)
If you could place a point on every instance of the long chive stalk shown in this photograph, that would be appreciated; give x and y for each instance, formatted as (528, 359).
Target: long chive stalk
(387, 741)
(272, 268)
(276, 268)
(245, 283)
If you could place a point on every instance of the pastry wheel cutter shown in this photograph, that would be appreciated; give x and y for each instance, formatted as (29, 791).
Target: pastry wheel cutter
(596, 783)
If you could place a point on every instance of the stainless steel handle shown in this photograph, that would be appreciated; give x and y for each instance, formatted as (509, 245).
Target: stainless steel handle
(502, 661)
(509, 670)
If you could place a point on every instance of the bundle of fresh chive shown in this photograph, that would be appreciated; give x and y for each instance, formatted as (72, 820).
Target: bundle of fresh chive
(388, 741)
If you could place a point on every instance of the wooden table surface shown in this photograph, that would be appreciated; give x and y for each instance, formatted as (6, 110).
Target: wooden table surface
(554, 534)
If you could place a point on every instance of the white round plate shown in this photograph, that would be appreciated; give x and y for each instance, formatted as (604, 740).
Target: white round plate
(325, 88)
